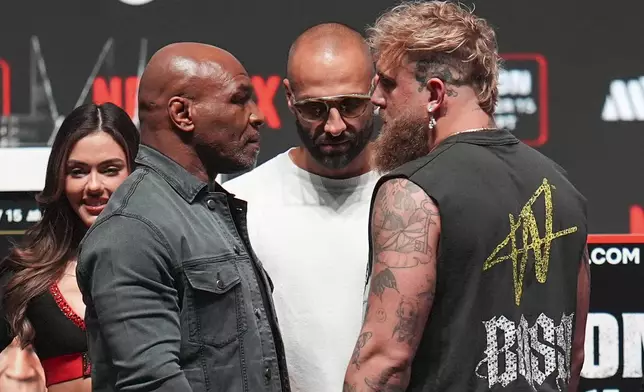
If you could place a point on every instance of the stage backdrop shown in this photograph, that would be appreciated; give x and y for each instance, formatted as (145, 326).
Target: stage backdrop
(573, 87)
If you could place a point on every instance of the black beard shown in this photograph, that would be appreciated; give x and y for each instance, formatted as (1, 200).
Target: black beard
(401, 140)
(358, 140)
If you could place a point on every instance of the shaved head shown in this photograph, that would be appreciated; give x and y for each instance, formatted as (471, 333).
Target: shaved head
(196, 106)
(180, 70)
(328, 46)
(328, 83)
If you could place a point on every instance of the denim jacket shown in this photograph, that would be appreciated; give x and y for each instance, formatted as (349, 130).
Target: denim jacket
(176, 298)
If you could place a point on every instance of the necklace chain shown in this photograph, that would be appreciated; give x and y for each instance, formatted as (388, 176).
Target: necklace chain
(472, 130)
(465, 131)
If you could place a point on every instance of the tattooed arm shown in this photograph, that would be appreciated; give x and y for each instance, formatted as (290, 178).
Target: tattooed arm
(405, 228)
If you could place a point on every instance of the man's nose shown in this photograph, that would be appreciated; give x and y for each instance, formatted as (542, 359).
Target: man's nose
(257, 117)
(335, 124)
(378, 99)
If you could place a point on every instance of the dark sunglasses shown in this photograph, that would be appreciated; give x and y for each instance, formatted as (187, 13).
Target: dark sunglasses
(348, 105)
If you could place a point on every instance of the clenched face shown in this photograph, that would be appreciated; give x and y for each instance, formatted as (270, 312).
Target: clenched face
(227, 121)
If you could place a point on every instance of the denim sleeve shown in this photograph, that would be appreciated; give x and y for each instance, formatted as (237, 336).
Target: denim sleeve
(124, 272)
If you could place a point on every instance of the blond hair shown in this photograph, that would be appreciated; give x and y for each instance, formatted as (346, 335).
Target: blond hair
(446, 40)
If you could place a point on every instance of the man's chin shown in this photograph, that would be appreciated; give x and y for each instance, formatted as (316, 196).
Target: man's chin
(337, 160)
(332, 161)
(238, 165)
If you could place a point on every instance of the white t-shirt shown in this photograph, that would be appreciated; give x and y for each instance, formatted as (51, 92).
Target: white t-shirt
(311, 235)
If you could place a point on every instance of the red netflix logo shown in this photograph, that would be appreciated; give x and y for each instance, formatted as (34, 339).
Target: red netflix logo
(265, 92)
(119, 92)
(5, 86)
(123, 93)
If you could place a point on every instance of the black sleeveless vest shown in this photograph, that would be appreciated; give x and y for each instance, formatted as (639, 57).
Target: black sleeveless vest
(513, 231)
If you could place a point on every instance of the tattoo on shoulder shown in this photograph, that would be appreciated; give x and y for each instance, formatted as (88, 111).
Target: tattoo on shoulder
(360, 343)
(401, 223)
(406, 328)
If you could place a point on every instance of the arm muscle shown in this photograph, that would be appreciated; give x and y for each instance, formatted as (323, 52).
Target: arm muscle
(405, 228)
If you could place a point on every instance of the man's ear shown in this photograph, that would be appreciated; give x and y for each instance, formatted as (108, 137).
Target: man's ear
(180, 112)
(289, 94)
(436, 97)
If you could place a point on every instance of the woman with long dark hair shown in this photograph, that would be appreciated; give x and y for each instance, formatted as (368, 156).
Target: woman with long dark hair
(92, 154)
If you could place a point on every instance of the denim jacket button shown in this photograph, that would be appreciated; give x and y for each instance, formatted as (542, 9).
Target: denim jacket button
(211, 204)
(220, 284)
(258, 313)
(267, 374)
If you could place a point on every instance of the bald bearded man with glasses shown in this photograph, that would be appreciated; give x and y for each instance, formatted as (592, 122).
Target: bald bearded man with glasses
(308, 207)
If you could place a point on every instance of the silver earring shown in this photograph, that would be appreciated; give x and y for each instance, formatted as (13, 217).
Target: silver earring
(432, 122)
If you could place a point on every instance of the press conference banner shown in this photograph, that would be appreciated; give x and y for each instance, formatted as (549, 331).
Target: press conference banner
(615, 326)
(18, 211)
